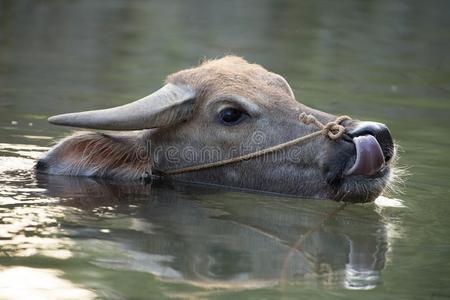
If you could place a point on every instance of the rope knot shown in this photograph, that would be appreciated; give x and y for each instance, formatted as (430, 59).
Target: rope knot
(334, 130)
(307, 119)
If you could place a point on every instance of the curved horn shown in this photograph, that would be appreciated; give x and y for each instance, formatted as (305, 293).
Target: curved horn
(168, 105)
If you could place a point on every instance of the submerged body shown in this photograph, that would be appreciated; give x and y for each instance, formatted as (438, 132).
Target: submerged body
(219, 110)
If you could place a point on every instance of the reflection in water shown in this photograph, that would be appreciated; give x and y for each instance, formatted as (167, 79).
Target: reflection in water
(211, 238)
(199, 236)
(28, 225)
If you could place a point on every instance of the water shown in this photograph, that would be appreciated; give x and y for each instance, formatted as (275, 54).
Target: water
(73, 238)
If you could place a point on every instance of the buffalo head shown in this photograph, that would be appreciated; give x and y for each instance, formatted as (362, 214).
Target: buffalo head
(221, 109)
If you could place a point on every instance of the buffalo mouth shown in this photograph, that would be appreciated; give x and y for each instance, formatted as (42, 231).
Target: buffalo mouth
(369, 158)
(363, 172)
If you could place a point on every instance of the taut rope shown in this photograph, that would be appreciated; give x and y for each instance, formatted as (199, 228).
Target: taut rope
(333, 130)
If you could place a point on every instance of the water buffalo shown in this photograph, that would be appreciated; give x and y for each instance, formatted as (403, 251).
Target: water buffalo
(218, 110)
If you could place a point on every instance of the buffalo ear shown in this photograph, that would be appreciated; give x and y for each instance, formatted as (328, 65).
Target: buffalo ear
(283, 84)
(169, 105)
(95, 154)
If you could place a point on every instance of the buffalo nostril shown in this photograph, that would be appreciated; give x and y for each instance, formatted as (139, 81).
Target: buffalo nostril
(379, 131)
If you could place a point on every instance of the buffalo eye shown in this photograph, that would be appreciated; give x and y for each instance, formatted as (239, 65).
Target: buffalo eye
(231, 116)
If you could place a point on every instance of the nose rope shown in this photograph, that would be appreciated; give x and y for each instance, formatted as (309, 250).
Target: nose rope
(333, 130)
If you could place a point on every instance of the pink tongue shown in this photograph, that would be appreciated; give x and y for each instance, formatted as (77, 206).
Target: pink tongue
(369, 156)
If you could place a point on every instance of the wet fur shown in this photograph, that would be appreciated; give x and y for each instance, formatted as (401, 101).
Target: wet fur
(96, 155)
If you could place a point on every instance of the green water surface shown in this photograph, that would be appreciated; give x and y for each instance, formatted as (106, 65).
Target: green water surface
(72, 238)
